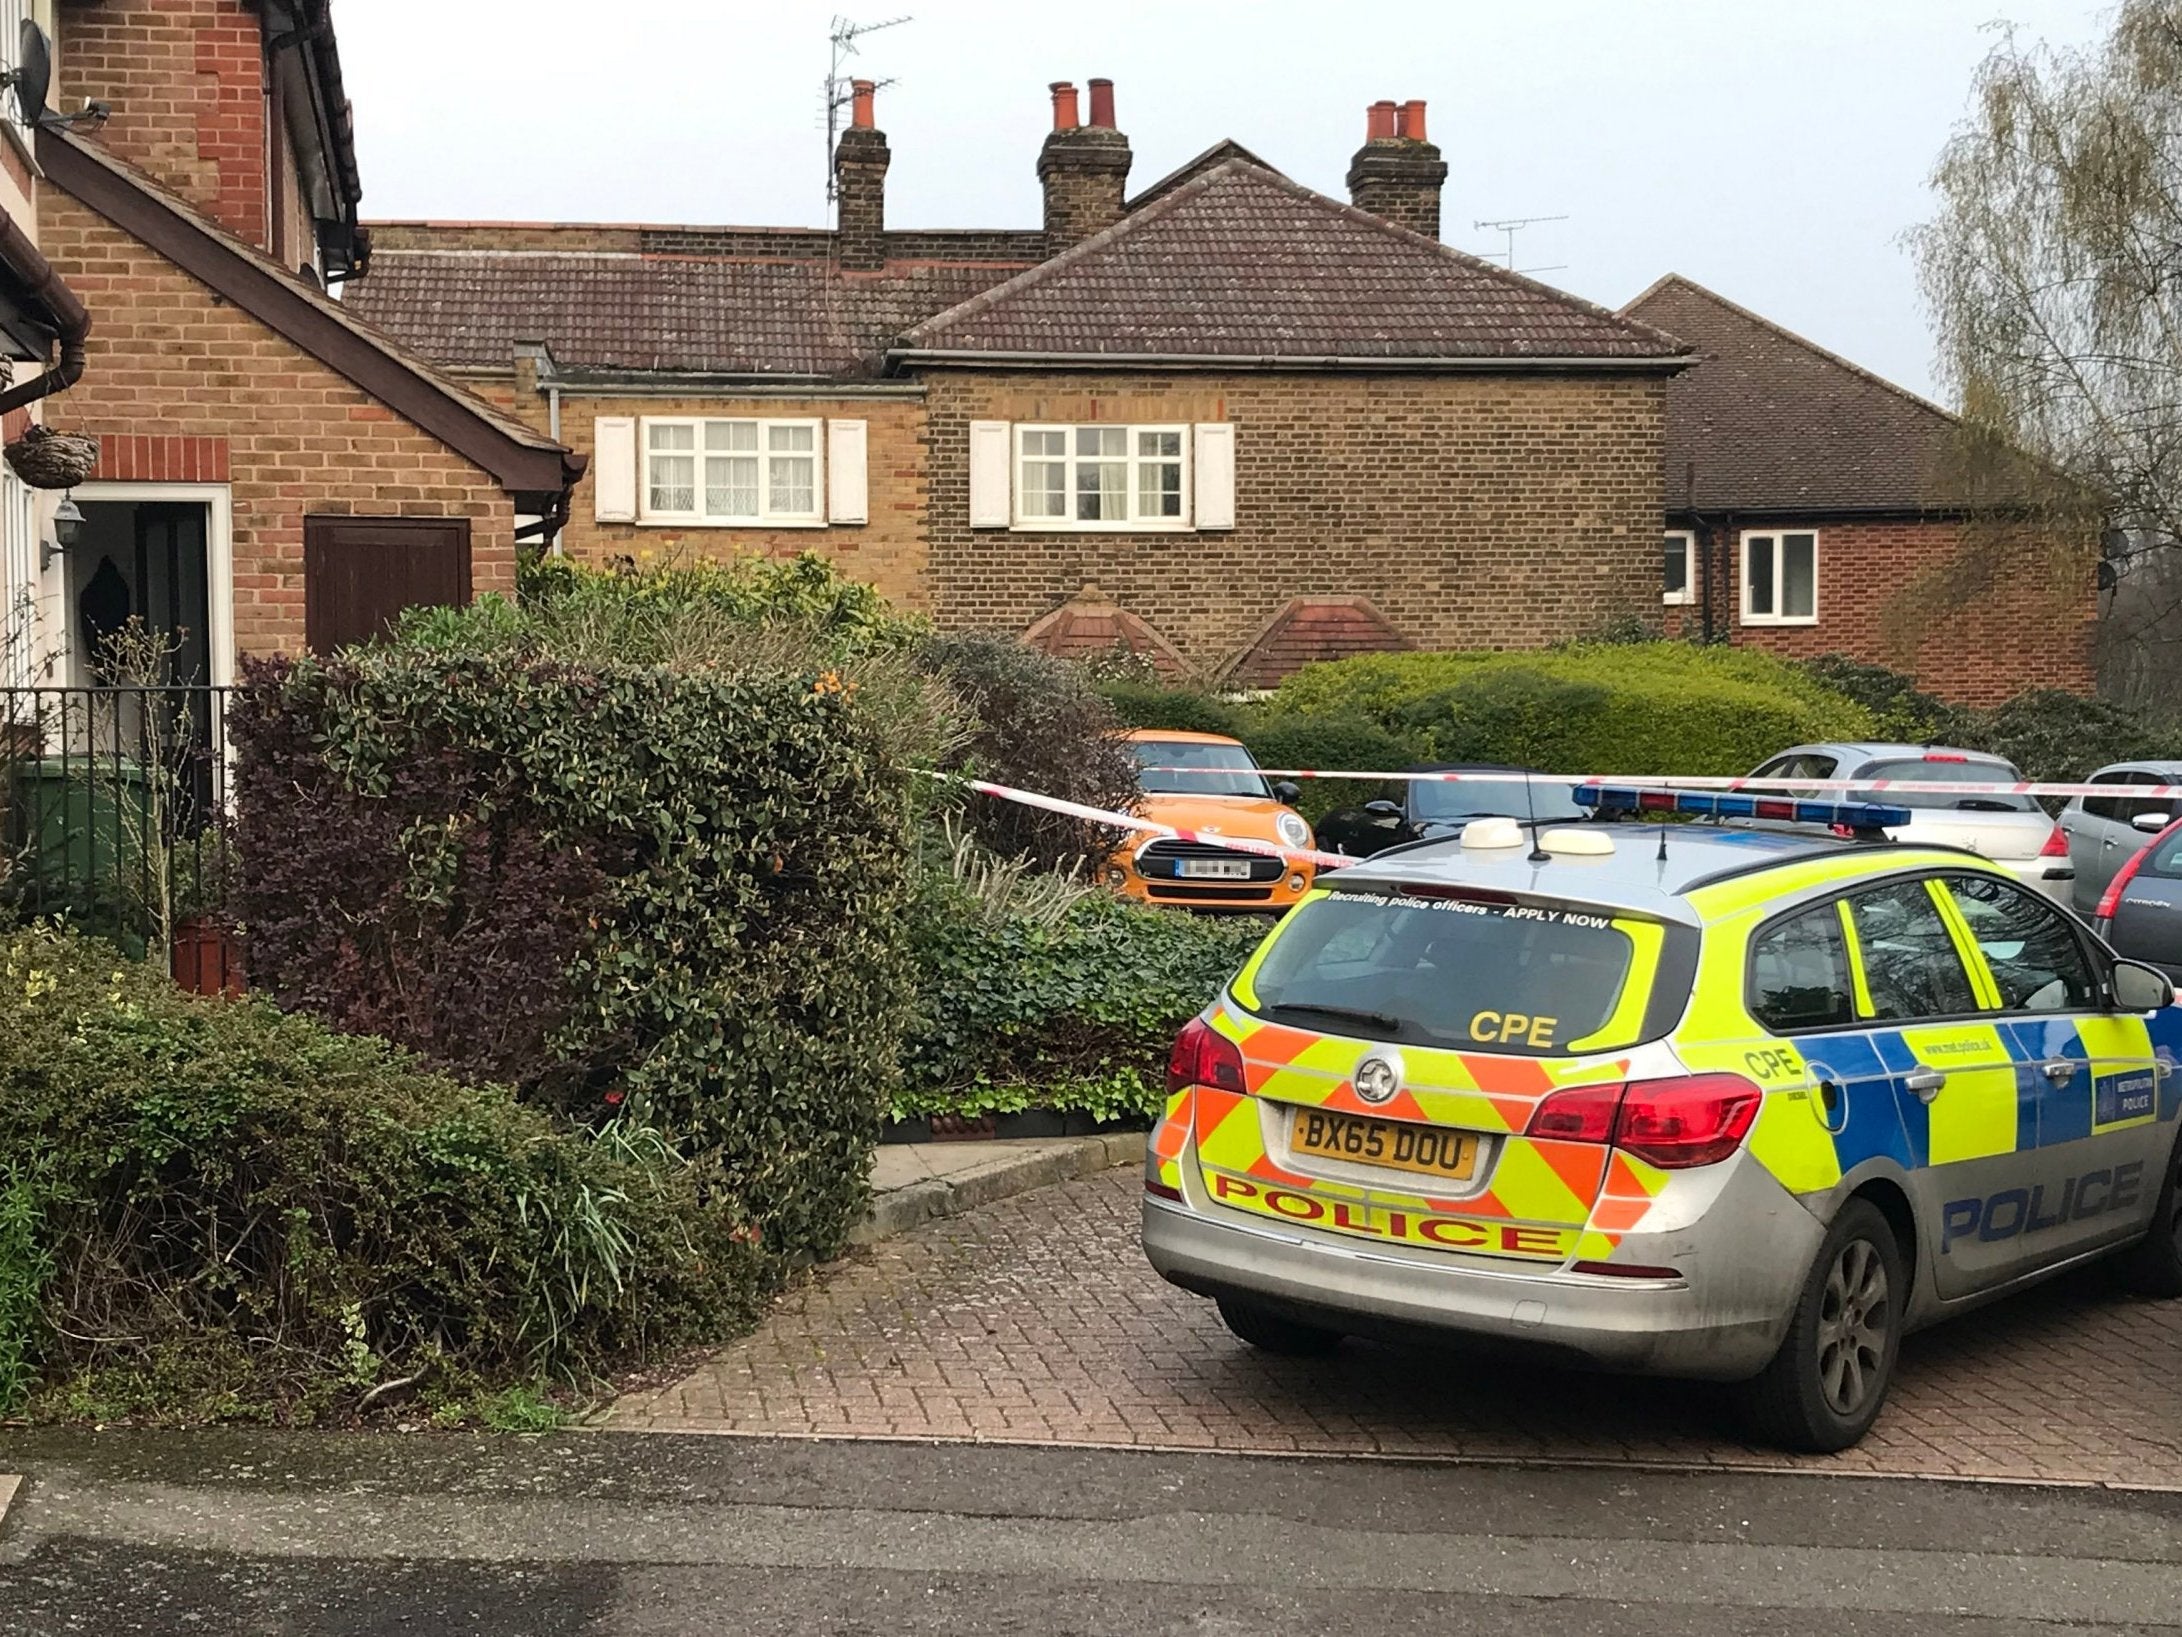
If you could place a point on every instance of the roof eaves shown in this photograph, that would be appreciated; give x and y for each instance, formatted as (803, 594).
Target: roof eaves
(1482, 363)
(519, 457)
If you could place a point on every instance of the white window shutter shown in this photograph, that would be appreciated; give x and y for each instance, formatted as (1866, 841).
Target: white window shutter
(613, 469)
(991, 492)
(1215, 472)
(848, 483)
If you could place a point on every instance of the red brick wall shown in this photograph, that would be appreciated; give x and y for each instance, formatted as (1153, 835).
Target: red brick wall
(1976, 620)
(1473, 512)
(186, 79)
(176, 375)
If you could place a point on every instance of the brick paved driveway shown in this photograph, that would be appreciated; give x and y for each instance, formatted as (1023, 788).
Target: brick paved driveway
(1036, 1320)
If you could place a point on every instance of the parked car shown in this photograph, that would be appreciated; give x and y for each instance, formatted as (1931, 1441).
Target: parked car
(1746, 1108)
(1430, 809)
(1219, 790)
(2139, 911)
(2013, 831)
(2105, 832)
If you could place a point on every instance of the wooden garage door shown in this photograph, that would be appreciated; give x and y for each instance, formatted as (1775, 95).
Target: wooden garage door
(360, 572)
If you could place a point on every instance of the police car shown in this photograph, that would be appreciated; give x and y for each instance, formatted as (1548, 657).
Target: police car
(1733, 1104)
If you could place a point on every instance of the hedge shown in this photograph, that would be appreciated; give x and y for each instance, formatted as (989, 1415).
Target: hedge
(672, 895)
(1621, 708)
(1068, 1010)
(209, 1210)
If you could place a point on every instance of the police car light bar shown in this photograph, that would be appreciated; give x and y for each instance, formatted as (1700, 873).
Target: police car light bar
(1839, 815)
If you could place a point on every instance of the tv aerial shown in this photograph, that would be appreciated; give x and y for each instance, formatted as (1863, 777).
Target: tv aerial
(1512, 225)
(839, 88)
(31, 79)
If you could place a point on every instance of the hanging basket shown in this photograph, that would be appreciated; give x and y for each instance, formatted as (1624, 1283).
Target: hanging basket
(46, 459)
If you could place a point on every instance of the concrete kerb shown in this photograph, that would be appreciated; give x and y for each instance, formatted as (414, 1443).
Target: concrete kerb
(914, 1183)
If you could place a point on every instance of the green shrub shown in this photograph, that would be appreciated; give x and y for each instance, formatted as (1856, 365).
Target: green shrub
(213, 1210)
(661, 606)
(675, 891)
(1140, 704)
(1041, 725)
(1899, 709)
(1664, 707)
(1353, 743)
(1070, 1010)
(2060, 737)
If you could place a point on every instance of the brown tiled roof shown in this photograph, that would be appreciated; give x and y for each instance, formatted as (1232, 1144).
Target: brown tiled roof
(1090, 624)
(1190, 169)
(615, 310)
(1310, 629)
(1240, 263)
(1772, 422)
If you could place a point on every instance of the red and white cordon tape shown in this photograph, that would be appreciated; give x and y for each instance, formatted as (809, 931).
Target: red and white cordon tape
(1130, 821)
(1774, 786)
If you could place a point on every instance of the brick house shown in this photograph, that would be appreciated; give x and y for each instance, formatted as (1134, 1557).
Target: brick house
(1228, 421)
(272, 473)
(1812, 509)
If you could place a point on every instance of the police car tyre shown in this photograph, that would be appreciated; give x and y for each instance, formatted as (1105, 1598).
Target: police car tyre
(1271, 1333)
(2154, 1268)
(1824, 1387)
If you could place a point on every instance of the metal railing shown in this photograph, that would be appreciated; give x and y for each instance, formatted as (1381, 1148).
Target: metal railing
(114, 813)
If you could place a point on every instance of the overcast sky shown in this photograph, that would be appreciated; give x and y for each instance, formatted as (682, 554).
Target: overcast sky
(1772, 149)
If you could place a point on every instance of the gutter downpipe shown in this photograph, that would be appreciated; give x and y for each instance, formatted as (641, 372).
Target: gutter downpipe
(72, 320)
(553, 428)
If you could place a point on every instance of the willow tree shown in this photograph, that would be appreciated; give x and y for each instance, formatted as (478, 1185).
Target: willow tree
(2053, 269)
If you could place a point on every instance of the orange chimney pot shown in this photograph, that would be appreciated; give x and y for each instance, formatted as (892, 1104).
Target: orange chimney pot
(1379, 122)
(1064, 105)
(864, 89)
(1102, 105)
(1411, 122)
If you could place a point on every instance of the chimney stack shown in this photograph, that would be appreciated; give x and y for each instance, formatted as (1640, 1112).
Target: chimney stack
(1397, 174)
(1084, 168)
(859, 169)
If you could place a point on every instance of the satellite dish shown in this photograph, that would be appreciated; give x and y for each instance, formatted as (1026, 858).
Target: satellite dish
(32, 77)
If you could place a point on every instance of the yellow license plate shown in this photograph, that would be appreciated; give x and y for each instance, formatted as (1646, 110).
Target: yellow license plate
(1426, 1149)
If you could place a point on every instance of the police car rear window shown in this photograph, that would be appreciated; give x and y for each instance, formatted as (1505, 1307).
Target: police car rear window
(1534, 980)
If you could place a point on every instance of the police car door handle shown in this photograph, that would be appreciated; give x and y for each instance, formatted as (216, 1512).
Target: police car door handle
(1926, 1083)
(2061, 1070)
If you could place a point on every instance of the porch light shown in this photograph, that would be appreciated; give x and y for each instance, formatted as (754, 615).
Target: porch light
(67, 530)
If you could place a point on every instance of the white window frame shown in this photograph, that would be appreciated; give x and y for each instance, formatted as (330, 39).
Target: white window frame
(1688, 594)
(1771, 543)
(1132, 524)
(766, 517)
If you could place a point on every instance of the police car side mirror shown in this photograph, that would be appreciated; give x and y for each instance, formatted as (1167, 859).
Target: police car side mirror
(2140, 988)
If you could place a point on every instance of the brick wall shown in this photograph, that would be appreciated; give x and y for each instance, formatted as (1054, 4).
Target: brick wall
(175, 374)
(1975, 621)
(1474, 512)
(888, 551)
(187, 82)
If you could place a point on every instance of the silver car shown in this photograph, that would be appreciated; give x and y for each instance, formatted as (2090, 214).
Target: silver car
(2013, 831)
(2105, 832)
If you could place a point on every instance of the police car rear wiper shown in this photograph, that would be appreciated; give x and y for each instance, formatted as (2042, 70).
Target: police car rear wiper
(1378, 1020)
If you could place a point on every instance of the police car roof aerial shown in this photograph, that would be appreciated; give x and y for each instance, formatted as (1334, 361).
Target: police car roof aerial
(1487, 854)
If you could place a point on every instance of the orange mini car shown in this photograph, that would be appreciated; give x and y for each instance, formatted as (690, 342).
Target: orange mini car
(1221, 792)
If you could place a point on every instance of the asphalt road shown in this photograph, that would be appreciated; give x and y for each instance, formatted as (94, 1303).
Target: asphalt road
(122, 1534)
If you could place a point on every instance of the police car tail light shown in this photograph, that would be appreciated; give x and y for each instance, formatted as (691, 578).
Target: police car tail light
(1699, 1119)
(1579, 1114)
(1202, 1056)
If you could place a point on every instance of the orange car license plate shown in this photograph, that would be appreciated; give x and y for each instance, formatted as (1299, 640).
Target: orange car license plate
(1426, 1149)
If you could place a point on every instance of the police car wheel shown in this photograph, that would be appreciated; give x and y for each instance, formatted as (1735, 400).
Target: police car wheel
(1271, 1333)
(2154, 1268)
(1824, 1387)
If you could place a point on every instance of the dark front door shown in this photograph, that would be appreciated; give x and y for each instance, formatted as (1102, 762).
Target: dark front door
(359, 573)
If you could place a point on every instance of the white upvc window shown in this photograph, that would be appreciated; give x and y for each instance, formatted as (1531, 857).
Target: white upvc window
(19, 571)
(1780, 577)
(732, 471)
(1678, 587)
(1102, 477)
